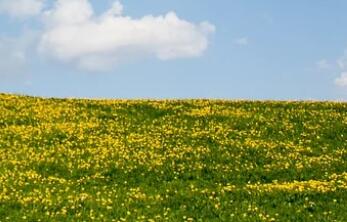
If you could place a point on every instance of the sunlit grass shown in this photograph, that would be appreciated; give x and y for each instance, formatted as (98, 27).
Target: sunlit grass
(172, 160)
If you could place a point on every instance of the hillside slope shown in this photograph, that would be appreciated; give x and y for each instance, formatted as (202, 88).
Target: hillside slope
(174, 160)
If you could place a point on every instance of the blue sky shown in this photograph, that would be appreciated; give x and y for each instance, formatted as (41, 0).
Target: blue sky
(232, 49)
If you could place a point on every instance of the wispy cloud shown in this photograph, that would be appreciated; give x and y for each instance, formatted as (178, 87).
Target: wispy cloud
(341, 80)
(14, 53)
(243, 41)
(323, 64)
(342, 61)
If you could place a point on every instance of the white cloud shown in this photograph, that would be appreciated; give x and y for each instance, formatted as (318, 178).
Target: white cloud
(242, 41)
(21, 8)
(323, 64)
(67, 13)
(116, 10)
(342, 80)
(76, 35)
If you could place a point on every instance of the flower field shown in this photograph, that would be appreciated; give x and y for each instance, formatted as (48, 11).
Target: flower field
(172, 160)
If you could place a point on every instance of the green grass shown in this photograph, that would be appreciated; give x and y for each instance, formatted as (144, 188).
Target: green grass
(172, 160)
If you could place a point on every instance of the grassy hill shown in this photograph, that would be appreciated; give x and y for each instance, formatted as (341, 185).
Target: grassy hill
(172, 160)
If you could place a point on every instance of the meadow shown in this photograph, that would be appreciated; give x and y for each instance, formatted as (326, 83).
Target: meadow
(172, 160)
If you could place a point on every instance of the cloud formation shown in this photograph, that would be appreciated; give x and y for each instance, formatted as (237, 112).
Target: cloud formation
(74, 34)
(21, 8)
